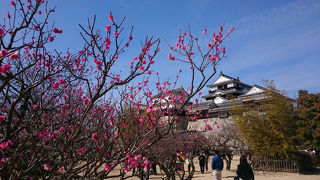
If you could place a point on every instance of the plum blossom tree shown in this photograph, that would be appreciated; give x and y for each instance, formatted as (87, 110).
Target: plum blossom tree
(69, 115)
(174, 148)
(226, 139)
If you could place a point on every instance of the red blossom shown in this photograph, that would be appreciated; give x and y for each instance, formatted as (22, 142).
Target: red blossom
(205, 31)
(86, 101)
(1, 32)
(107, 167)
(94, 136)
(110, 17)
(3, 53)
(51, 38)
(208, 127)
(6, 145)
(57, 31)
(171, 57)
(1, 118)
(108, 28)
(61, 169)
(55, 86)
(108, 42)
(221, 28)
(81, 151)
(61, 81)
(5, 68)
(14, 56)
(12, 3)
(47, 167)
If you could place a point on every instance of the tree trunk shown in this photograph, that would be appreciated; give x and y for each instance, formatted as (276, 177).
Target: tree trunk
(189, 177)
(228, 160)
(317, 153)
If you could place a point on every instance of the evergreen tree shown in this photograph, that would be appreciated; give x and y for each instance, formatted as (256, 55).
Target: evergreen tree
(269, 126)
(309, 121)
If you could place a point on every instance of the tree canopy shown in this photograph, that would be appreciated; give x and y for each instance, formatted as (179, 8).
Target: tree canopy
(268, 127)
(309, 120)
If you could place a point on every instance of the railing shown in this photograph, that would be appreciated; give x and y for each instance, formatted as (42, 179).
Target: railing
(275, 164)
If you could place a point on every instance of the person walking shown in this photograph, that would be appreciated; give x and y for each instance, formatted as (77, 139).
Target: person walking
(202, 161)
(217, 166)
(244, 170)
(206, 153)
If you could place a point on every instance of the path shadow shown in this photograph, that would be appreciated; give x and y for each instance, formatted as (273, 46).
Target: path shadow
(315, 171)
(231, 177)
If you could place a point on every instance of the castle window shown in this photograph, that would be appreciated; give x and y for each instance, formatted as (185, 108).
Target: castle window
(230, 85)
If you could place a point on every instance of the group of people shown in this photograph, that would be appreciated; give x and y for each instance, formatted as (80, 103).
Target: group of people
(244, 170)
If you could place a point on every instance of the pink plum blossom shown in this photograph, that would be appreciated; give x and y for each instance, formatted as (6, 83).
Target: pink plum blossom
(110, 17)
(107, 167)
(1, 32)
(55, 86)
(171, 57)
(61, 81)
(15, 55)
(47, 167)
(208, 127)
(108, 28)
(1, 118)
(6, 145)
(94, 136)
(205, 31)
(3, 53)
(61, 169)
(12, 3)
(86, 101)
(5, 68)
(81, 151)
(51, 38)
(57, 31)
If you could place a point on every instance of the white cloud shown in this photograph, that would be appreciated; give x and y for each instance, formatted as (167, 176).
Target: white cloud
(285, 15)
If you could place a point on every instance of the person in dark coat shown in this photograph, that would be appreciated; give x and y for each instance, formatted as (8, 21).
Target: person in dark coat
(202, 161)
(244, 170)
(206, 154)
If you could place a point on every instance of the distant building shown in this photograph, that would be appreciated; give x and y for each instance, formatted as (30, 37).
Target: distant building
(170, 102)
(224, 92)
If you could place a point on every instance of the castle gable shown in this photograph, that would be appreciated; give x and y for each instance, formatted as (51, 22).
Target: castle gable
(219, 100)
(255, 90)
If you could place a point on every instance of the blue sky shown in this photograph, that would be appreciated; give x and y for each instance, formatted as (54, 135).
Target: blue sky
(274, 39)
